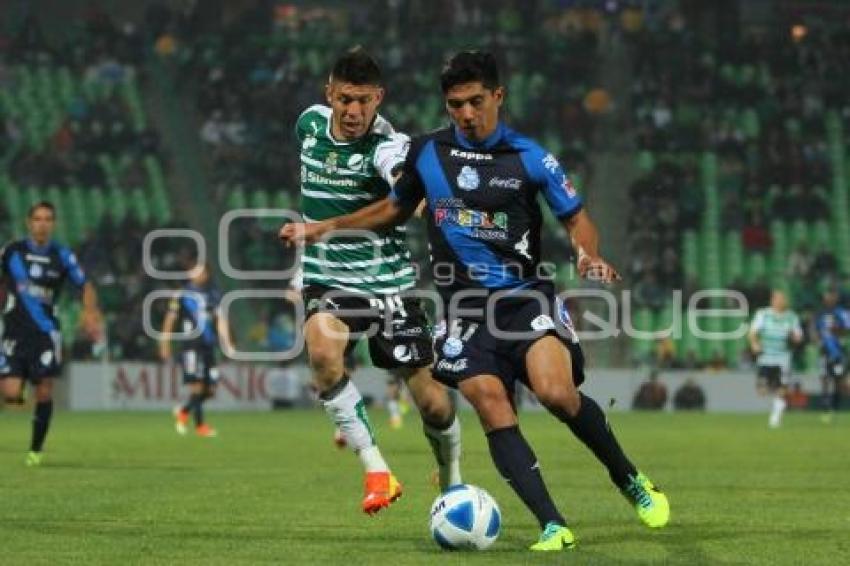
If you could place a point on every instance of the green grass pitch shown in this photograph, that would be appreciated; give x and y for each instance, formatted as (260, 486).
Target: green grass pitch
(124, 488)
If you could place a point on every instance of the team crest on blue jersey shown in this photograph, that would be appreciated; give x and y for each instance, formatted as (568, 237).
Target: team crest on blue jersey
(36, 271)
(468, 180)
(452, 347)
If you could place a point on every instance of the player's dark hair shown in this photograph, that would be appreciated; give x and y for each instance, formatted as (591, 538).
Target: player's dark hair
(42, 204)
(357, 67)
(470, 67)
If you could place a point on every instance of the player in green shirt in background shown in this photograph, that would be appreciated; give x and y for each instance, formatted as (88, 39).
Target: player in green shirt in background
(773, 333)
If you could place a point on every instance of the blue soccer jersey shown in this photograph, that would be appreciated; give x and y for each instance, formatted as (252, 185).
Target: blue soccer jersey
(484, 217)
(34, 276)
(197, 310)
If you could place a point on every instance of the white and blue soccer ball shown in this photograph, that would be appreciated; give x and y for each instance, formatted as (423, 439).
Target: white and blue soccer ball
(465, 517)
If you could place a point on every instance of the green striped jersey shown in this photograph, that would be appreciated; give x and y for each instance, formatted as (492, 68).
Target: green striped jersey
(338, 178)
(773, 330)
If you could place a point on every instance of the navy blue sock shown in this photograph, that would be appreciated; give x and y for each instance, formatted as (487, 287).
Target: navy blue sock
(40, 424)
(592, 428)
(518, 465)
(197, 402)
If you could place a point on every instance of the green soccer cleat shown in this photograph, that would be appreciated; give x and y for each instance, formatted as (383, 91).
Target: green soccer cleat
(554, 537)
(650, 503)
(33, 459)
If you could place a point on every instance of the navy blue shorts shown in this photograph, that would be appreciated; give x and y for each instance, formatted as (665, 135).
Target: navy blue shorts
(199, 365)
(407, 345)
(33, 356)
(467, 347)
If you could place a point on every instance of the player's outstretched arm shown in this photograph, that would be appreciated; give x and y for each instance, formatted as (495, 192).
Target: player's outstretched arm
(224, 336)
(165, 341)
(583, 232)
(91, 316)
(382, 214)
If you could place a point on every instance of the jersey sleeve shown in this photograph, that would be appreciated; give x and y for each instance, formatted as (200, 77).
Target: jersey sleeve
(409, 190)
(304, 125)
(389, 156)
(797, 328)
(758, 322)
(72, 267)
(555, 184)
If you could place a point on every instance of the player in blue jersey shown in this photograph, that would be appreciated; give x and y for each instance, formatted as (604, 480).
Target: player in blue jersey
(832, 322)
(34, 271)
(195, 313)
(481, 182)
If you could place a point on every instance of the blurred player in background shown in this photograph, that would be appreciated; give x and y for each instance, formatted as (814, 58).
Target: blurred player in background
(481, 181)
(774, 332)
(195, 310)
(34, 270)
(350, 156)
(832, 322)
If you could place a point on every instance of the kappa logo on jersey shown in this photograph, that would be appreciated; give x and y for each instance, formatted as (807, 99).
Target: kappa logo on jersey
(36, 271)
(522, 246)
(471, 155)
(355, 162)
(452, 347)
(468, 179)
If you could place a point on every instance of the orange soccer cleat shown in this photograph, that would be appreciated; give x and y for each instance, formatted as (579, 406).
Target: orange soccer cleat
(206, 431)
(382, 488)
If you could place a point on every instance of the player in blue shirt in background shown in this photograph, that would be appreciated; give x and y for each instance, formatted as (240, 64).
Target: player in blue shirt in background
(34, 271)
(832, 322)
(195, 309)
(481, 181)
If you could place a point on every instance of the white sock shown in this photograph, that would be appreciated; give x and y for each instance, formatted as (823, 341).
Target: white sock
(446, 447)
(348, 412)
(393, 408)
(777, 408)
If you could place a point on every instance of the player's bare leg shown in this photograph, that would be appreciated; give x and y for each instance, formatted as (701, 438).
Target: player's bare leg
(327, 337)
(549, 366)
(439, 422)
(393, 404)
(13, 391)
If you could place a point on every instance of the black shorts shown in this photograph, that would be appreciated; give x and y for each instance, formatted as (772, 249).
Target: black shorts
(467, 347)
(398, 330)
(199, 366)
(32, 356)
(834, 369)
(773, 377)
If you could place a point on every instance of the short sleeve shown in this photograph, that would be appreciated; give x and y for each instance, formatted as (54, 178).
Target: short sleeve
(389, 156)
(758, 322)
(555, 184)
(72, 267)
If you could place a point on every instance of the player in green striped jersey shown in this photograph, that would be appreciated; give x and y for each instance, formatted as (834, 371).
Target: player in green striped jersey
(349, 157)
(773, 332)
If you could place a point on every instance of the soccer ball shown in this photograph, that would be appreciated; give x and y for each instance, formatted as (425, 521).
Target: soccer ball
(465, 516)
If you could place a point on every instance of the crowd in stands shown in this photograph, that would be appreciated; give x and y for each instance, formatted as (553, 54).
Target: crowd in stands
(759, 103)
(68, 121)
